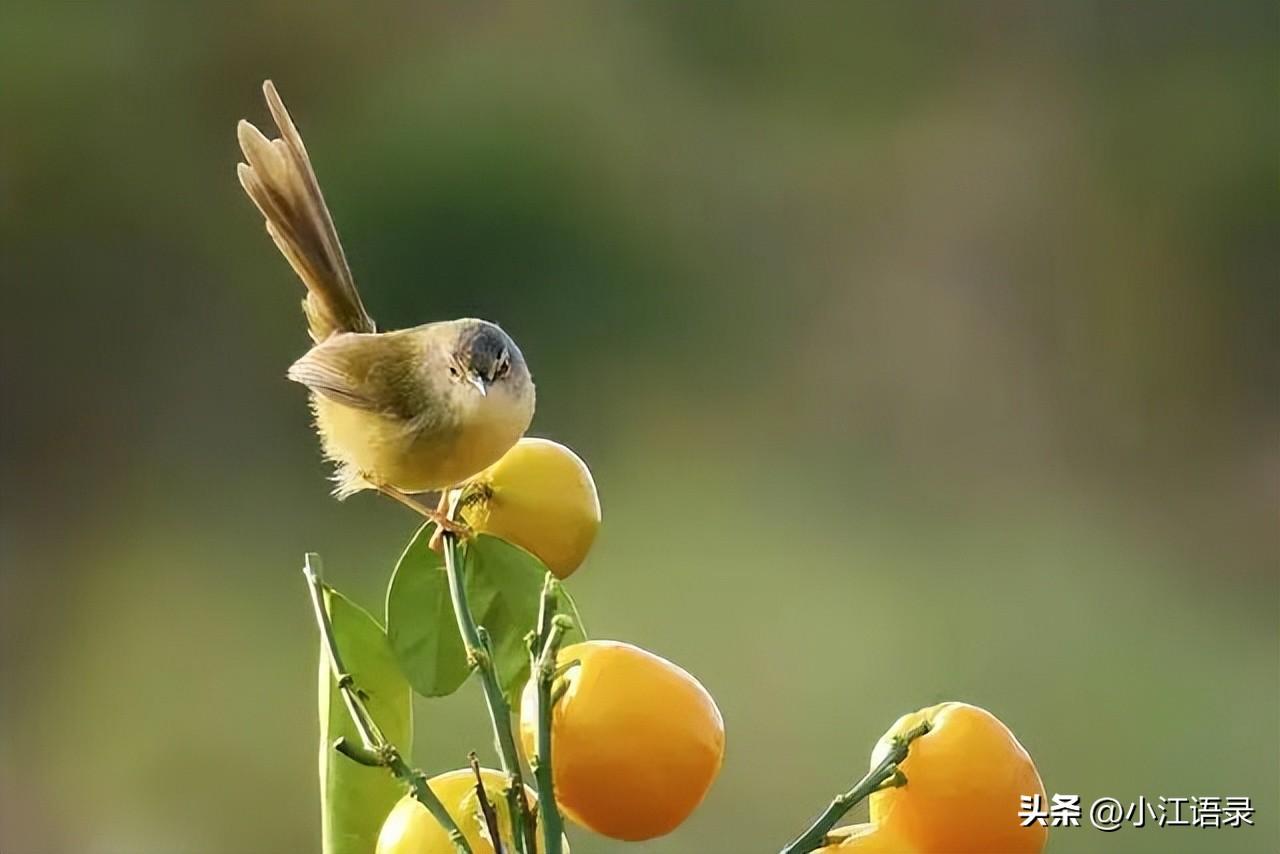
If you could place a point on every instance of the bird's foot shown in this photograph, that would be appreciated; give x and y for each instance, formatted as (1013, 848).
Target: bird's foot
(440, 516)
(445, 525)
(458, 528)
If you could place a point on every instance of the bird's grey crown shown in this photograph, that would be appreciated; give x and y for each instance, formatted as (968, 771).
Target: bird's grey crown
(482, 345)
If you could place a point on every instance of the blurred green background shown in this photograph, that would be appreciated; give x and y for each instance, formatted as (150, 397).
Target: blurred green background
(921, 351)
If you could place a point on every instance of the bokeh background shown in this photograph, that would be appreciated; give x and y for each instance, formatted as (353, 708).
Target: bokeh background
(921, 351)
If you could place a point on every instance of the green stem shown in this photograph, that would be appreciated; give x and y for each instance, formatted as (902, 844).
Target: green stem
(374, 748)
(887, 769)
(544, 648)
(480, 658)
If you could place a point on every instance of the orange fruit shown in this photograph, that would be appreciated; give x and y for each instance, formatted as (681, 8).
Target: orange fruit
(636, 741)
(539, 496)
(965, 778)
(411, 829)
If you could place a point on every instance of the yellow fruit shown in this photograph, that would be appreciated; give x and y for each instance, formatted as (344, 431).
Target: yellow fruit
(965, 778)
(539, 496)
(865, 839)
(636, 741)
(411, 829)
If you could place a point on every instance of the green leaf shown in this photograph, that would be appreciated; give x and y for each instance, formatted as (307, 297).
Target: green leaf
(355, 799)
(503, 583)
(570, 608)
(504, 586)
(420, 622)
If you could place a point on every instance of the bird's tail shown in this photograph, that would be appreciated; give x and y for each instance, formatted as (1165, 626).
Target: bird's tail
(279, 178)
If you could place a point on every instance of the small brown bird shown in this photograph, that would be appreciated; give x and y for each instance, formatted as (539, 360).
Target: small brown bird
(408, 411)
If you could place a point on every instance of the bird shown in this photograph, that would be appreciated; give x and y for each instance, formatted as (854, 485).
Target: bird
(402, 412)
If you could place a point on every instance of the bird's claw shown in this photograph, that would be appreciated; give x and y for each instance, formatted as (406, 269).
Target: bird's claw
(445, 525)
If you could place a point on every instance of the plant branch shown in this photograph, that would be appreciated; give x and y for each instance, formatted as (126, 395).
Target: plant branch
(544, 646)
(374, 748)
(486, 808)
(480, 658)
(886, 771)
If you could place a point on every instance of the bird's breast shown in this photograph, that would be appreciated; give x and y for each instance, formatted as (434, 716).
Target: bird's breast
(423, 454)
(487, 430)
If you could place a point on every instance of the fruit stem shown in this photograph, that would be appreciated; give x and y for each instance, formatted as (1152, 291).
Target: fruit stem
(480, 658)
(885, 771)
(544, 646)
(375, 749)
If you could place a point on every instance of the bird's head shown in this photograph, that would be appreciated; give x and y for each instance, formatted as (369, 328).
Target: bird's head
(484, 357)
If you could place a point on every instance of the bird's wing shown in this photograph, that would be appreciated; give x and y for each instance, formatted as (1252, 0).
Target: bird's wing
(368, 372)
(278, 176)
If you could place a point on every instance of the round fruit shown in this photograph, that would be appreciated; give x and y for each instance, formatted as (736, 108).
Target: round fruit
(635, 741)
(411, 829)
(865, 839)
(539, 496)
(965, 778)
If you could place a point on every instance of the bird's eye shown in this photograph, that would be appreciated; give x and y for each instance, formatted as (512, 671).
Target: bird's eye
(454, 371)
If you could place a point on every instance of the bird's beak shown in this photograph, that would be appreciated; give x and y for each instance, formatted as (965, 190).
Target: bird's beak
(478, 382)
